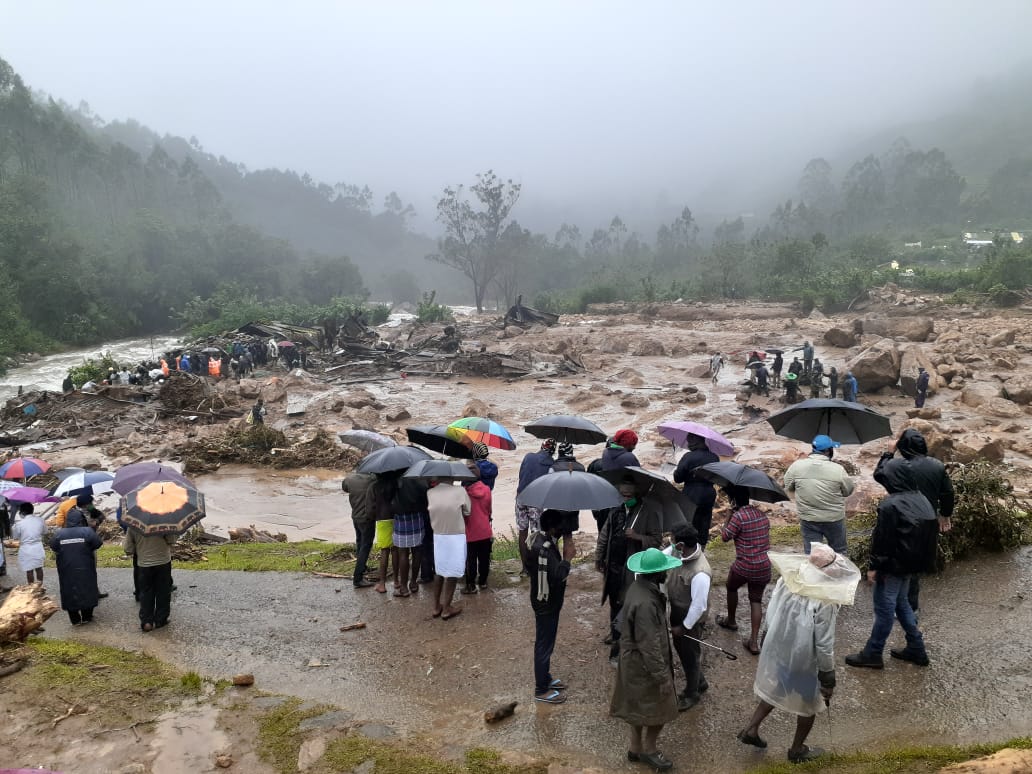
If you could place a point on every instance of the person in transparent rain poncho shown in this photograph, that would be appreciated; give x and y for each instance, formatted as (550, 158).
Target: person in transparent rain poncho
(796, 672)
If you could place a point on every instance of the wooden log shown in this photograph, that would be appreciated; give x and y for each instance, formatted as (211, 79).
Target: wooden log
(353, 627)
(24, 611)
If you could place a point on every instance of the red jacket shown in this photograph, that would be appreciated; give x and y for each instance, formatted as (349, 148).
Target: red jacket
(478, 523)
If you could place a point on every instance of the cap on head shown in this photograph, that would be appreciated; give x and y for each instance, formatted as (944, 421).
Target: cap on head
(823, 443)
(548, 445)
(566, 450)
(84, 499)
(626, 438)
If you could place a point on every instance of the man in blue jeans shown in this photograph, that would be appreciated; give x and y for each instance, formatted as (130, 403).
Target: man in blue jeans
(820, 486)
(548, 572)
(903, 543)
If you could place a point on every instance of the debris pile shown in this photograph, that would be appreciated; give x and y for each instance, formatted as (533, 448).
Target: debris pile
(188, 392)
(262, 445)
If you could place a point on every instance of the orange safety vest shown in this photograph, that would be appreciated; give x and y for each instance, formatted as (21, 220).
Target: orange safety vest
(62, 512)
(215, 367)
(164, 366)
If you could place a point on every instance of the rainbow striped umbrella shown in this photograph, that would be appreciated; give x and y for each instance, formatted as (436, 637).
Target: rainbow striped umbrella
(485, 431)
(23, 468)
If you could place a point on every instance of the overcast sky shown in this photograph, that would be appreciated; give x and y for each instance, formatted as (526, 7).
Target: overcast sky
(580, 101)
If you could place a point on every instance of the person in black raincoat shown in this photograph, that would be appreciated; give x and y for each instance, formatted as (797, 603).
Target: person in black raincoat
(74, 547)
(699, 494)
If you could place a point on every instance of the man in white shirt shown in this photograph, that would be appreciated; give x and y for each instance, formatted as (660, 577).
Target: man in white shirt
(688, 588)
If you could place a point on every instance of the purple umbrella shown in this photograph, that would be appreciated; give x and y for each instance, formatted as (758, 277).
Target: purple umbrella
(136, 475)
(678, 432)
(30, 494)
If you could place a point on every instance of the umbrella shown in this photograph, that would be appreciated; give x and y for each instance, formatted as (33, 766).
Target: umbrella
(761, 486)
(136, 475)
(436, 438)
(655, 487)
(570, 491)
(392, 458)
(843, 420)
(211, 351)
(456, 471)
(163, 507)
(566, 428)
(29, 494)
(92, 482)
(678, 432)
(366, 440)
(486, 431)
(286, 344)
(23, 468)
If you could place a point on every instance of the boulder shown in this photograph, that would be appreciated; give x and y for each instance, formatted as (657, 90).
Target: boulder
(840, 337)
(398, 416)
(635, 402)
(249, 388)
(649, 348)
(614, 345)
(698, 371)
(274, 391)
(1018, 389)
(1001, 407)
(911, 327)
(977, 393)
(1004, 363)
(925, 412)
(1001, 339)
(877, 366)
(360, 398)
(912, 357)
(476, 408)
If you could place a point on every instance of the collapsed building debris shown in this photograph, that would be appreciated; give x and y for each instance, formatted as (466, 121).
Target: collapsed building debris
(525, 316)
(262, 445)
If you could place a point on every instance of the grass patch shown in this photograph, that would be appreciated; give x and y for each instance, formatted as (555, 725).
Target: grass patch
(279, 738)
(305, 556)
(191, 682)
(80, 671)
(405, 758)
(916, 760)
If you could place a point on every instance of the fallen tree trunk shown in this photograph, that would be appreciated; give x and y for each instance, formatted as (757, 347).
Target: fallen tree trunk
(24, 611)
(252, 535)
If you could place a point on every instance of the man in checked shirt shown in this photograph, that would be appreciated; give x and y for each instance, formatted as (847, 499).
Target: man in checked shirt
(749, 528)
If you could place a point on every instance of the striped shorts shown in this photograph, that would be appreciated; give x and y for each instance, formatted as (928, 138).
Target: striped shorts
(408, 530)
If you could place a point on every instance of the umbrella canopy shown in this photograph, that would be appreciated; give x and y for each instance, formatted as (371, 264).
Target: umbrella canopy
(23, 467)
(566, 428)
(446, 469)
(391, 459)
(761, 486)
(486, 431)
(163, 507)
(366, 440)
(91, 482)
(285, 344)
(678, 431)
(64, 473)
(29, 494)
(436, 438)
(843, 420)
(136, 475)
(211, 351)
(654, 487)
(570, 491)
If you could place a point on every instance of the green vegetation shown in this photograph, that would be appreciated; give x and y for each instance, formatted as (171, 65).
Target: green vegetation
(404, 758)
(93, 370)
(306, 556)
(279, 738)
(429, 311)
(905, 760)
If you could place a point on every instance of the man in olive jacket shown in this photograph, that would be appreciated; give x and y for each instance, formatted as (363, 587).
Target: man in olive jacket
(154, 558)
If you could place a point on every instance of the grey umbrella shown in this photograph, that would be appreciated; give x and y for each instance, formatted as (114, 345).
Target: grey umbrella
(843, 420)
(566, 428)
(366, 440)
(570, 491)
(392, 459)
(654, 487)
(446, 469)
(761, 486)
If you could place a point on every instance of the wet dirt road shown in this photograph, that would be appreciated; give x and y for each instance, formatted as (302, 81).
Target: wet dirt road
(424, 676)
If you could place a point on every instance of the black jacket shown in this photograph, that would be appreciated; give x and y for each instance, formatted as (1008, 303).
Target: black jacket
(544, 563)
(616, 457)
(906, 533)
(74, 547)
(566, 464)
(410, 497)
(698, 490)
(929, 473)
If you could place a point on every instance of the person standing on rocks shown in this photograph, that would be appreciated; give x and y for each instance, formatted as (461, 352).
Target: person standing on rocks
(715, 364)
(448, 506)
(548, 572)
(796, 672)
(833, 382)
(688, 588)
(358, 488)
(154, 558)
(816, 379)
(534, 465)
(749, 528)
(849, 387)
(807, 349)
(75, 546)
(258, 413)
(775, 369)
(699, 494)
(821, 487)
(931, 478)
(619, 452)
(903, 543)
(644, 695)
(922, 387)
(795, 367)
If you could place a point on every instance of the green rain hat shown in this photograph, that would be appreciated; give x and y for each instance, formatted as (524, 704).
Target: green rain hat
(650, 561)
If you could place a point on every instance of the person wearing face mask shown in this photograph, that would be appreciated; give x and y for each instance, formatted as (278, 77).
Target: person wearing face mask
(688, 588)
(644, 695)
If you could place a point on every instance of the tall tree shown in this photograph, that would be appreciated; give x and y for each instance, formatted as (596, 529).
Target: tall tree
(471, 233)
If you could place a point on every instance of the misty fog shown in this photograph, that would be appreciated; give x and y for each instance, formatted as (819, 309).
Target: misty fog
(596, 108)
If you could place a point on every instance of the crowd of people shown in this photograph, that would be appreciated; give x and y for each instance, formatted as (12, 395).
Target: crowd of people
(809, 372)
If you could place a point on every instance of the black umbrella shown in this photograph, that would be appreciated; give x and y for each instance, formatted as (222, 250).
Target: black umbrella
(654, 487)
(844, 421)
(761, 486)
(366, 440)
(391, 459)
(446, 469)
(570, 491)
(436, 438)
(212, 351)
(566, 428)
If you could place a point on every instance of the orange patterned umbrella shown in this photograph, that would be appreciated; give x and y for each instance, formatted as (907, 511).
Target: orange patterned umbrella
(163, 507)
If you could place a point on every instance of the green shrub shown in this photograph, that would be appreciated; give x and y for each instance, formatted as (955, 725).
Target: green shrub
(93, 370)
(430, 312)
(378, 314)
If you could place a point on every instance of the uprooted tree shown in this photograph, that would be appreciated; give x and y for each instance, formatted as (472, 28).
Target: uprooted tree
(473, 229)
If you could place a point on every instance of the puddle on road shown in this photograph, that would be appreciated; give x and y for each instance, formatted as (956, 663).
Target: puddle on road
(186, 740)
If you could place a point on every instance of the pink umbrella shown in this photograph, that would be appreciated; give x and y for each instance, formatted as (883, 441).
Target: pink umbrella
(30, 494)
(678, 432)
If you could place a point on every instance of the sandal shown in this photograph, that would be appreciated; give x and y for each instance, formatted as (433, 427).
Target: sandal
(750, 647)
(550, 697)
(723, 623)
(557, 685)
(755, 741)
(452, 614)
(402, 592)
(413, 587)
(437, 613)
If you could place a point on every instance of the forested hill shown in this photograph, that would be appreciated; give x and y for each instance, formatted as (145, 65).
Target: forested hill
(101, 238)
